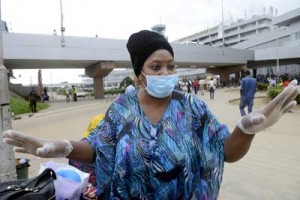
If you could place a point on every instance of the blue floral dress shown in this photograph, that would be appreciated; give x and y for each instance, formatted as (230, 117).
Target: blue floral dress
(180, 157)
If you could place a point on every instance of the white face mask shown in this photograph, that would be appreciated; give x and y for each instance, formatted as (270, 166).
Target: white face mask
(161, 86)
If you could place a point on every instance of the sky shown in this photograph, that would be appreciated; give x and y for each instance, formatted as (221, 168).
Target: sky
(120, 18)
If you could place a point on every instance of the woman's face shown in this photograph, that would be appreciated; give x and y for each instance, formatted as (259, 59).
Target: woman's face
(160, 62)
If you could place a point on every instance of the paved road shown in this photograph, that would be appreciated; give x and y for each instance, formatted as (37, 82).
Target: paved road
(271, 169)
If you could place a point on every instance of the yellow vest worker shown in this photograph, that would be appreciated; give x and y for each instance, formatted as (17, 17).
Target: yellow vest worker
(93, 123)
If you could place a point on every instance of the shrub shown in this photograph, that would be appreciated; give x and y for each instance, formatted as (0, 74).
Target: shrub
(262, 86)
(273, 92)
(113, 91)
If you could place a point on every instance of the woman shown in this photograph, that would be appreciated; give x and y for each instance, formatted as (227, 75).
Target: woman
(157, 142)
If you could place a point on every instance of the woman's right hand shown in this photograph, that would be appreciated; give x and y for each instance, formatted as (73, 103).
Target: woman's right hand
(42, 148)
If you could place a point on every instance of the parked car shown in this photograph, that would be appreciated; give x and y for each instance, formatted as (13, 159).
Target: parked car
(81, 94)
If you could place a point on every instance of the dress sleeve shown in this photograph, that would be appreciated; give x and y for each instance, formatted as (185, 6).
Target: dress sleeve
(103, 141)
(212, 135)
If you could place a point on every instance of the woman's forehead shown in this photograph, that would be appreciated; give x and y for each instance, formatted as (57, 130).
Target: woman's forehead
(160, 55)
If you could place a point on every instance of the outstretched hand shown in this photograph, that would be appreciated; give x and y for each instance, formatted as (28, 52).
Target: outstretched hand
(271, 113)
(42, 148)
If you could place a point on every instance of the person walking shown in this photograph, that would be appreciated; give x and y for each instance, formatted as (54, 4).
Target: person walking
(196, 86)
(286, 79)
(157, 142)
(130, 88)
(33, 96)
(272, 82)
(247, 91)
(212, 88)
(67, 92)
(202, 83)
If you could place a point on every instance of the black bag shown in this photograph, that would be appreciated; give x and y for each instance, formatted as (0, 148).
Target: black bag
(37, 188)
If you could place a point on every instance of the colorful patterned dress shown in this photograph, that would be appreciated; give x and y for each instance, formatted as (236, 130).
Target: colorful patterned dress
(180, 157)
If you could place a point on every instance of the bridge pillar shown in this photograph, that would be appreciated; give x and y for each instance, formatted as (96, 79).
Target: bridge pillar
(97, 72)
(224, 72)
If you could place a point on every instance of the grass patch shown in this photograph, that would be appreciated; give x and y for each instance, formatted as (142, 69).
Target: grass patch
(20, 106)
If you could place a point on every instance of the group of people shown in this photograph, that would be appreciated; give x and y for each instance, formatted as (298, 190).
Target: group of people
(156, 142)
(188, 86)
(33, 96)
(71, 92)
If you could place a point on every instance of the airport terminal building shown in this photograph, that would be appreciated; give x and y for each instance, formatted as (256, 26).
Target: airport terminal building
(266, 33)
(263, 34)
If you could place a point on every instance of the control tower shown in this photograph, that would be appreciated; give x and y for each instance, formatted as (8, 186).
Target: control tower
(159, 28)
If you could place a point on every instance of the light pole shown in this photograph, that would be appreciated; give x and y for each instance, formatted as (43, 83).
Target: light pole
(223, 41)
(51, 87)
(277, 54)
(62, 28)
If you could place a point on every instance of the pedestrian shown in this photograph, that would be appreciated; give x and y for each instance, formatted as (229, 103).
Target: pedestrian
(33, 96)
(129, 88)
(45, 91)
(45, 96)
(202, 83)
(74, 92)
(184, 85)
(286, 79)
(157, 142)
(189, 86)
(212, 87)
(272, 82)
(67, 92)
(178, 87)
(195, 85)
(247, 91)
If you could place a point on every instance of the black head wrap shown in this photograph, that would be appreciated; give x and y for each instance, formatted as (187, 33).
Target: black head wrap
(142, 44)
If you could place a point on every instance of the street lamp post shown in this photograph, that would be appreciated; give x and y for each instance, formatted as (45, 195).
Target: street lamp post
(223, 41)
(51, 87)
(277, 54)
(62, 28)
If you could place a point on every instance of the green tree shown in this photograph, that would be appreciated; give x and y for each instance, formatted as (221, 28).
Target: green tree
(125, 82)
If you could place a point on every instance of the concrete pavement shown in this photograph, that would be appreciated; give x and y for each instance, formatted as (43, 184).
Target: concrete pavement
(270, 170)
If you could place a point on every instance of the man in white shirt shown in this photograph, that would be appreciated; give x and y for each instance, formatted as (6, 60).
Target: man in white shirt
(212, 88)
(129, 88)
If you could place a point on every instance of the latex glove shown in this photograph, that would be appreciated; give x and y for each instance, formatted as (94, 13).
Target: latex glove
(293, 82)
(42, 148)
(271, 113)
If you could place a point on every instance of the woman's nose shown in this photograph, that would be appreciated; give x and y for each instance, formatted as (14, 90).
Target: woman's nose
(164, 71)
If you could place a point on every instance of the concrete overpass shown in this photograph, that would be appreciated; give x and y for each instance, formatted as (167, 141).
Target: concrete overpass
(100, 56)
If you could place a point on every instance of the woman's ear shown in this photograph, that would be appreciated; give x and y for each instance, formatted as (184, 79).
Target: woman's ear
(139, 81)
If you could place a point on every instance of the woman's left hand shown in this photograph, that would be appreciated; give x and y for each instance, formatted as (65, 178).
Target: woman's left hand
(271, 113)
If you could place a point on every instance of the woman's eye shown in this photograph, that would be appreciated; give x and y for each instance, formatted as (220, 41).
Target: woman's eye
(155, 67)
(171, 67)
